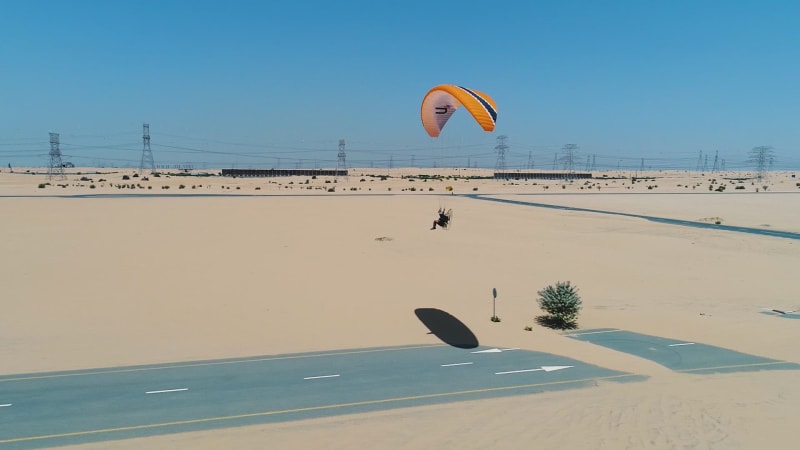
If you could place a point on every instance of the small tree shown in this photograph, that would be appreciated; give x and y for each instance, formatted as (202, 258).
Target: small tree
(562, 304)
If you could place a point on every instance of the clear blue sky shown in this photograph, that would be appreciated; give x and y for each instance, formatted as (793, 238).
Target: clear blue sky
(279, 82)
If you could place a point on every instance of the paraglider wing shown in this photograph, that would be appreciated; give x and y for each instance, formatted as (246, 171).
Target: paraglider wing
(442, 101)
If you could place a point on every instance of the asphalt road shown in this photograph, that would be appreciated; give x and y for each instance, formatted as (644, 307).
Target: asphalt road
(51, 409)
(678, 355)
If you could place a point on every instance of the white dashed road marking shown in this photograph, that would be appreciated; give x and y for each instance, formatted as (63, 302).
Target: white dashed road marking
(320, 376)
(167, 390)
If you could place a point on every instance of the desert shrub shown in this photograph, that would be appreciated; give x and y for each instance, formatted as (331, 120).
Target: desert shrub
(183, 186)
(474, 189)
(528, 328)
(495, 319)
(125, 177)
(562, 304)
(85, 179)
(91, 186)
(43, 185)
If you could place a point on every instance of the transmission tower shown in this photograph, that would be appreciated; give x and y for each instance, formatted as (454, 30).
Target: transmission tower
(715, 167)
(56, 165)
(699, 161)
(568, 159)
(147, 154)
(501, 148)
(530, 160)
(341, 164)
(761, 158)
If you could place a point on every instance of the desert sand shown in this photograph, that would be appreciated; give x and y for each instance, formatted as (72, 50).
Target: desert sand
(284, 266)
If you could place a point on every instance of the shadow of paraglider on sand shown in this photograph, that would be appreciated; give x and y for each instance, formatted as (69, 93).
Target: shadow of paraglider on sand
(446, 327)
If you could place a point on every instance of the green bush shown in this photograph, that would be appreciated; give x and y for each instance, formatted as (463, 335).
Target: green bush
(562, 304)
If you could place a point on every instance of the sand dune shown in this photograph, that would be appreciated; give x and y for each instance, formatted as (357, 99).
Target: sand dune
(114, 281)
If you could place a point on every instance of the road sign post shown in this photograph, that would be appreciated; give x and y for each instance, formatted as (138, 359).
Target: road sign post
(494, 301)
